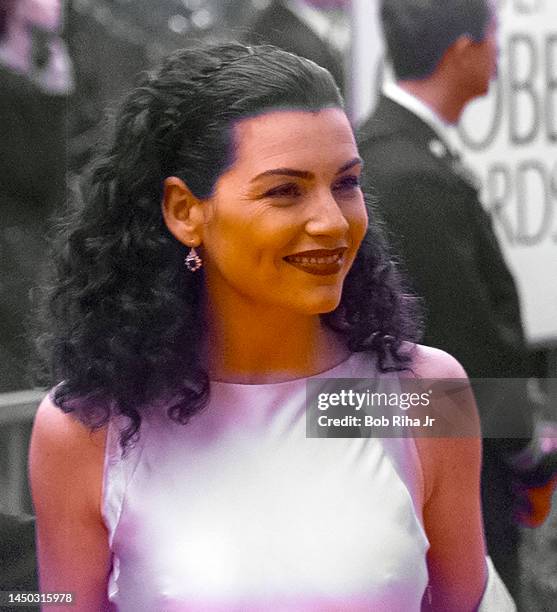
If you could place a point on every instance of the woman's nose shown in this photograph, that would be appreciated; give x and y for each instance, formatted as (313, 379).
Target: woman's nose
(325, 216)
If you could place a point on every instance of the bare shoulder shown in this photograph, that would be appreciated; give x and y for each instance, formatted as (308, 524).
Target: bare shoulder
(64, 450)
(442, 457)
(451, 471)
(429, 362)
(54, 429)
(66, 462)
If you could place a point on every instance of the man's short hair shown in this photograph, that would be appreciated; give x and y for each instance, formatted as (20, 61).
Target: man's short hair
(418, 32)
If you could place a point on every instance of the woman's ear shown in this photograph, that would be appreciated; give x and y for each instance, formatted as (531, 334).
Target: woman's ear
(182, 212)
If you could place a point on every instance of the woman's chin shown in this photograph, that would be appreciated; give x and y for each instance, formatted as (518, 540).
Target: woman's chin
(322, 304)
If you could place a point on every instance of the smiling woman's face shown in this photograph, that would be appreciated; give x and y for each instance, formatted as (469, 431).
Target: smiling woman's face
(286, 220)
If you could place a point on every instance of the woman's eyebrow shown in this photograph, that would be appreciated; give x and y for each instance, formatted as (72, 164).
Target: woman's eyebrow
(304, 174)
(284, 172)
(353, 162)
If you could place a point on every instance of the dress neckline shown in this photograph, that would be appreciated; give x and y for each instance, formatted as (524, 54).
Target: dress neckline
(330, 373)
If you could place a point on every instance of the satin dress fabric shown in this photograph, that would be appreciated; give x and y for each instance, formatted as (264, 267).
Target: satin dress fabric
(239, 511)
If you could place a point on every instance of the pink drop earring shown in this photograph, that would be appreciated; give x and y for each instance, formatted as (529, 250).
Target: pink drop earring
(192, 261)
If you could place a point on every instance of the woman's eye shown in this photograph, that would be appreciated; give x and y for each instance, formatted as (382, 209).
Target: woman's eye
(347, 183)
(289, 190)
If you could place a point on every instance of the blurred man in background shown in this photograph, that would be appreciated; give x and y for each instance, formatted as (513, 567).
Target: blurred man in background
(35, 80)
(316, 29)
(444, 54)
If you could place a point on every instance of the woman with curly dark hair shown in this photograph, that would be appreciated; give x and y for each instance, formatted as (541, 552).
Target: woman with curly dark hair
(170, 467)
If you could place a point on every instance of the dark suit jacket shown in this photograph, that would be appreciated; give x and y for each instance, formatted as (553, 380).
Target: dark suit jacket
(452, 259)
(447, 243)
(277, 25)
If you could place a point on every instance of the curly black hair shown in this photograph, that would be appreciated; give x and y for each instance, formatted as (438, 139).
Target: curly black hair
(122, 321)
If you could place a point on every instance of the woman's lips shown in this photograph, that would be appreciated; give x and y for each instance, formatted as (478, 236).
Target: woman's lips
(320, 262)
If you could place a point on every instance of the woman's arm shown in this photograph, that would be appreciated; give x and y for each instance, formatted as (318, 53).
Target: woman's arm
(66, 469)
(452, 508)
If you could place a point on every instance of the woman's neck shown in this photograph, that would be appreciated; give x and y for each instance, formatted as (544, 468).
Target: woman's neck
(259, 345)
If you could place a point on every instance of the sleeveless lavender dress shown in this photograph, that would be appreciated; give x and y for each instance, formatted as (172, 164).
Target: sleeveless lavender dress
(238, 511)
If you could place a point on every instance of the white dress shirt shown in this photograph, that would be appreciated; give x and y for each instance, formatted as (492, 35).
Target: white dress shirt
(444, 131)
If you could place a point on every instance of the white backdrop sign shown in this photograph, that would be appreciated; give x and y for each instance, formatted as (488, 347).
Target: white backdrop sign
(510, 139)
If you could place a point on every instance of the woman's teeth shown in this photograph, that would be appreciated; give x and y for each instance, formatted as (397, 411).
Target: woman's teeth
(315, 260)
